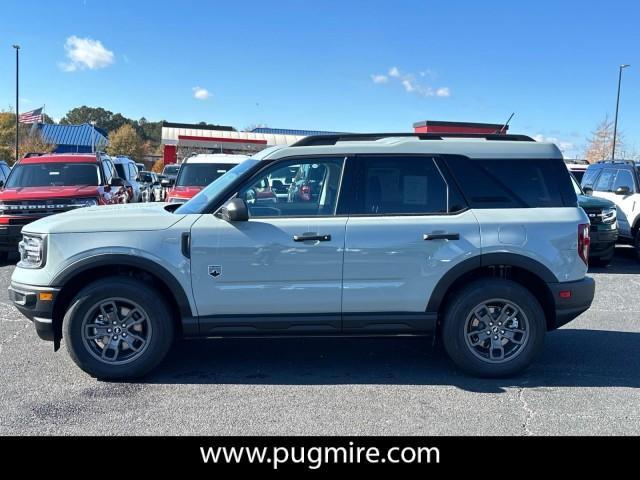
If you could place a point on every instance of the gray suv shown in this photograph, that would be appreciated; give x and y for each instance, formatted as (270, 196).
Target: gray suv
(477, 240)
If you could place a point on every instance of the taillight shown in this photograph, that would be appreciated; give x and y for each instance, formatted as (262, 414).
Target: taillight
(583, 242)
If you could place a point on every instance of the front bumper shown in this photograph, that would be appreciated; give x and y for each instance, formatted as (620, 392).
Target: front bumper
(569, 305)
(36, 303)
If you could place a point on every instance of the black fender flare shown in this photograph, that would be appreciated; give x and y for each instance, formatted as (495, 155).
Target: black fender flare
(112, 259)
(486, 260)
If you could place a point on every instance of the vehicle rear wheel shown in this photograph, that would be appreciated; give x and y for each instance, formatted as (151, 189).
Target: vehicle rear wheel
(493, 328)
(118, 328)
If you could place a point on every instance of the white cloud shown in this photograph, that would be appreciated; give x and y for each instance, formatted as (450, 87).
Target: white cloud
(201, 93)
(86, 53)
(564, 146)
(394, 72)
(412, 83)
(377, 78)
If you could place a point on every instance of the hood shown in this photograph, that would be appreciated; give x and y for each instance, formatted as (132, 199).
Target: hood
(587, 201)
(109, 218)
(43, 193)
(185, 192)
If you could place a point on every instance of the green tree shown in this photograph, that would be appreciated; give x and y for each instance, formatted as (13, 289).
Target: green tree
(126, 141)
(34, 142)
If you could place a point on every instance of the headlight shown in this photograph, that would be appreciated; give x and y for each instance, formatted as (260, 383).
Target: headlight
(609, 215)
(32, 251)
(86, 202)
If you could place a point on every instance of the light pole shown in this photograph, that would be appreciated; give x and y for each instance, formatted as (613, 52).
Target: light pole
(615, 122)
(17, 47)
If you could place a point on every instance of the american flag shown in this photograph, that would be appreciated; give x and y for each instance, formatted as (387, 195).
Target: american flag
(34, 116)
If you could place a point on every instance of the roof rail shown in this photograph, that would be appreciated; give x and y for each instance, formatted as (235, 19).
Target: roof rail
(316, 140)
(622, 162)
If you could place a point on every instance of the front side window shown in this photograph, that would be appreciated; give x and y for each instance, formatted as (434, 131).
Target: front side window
(624, 179)
(53, 175)
(294, 188)
(604, 181)
(399, 185)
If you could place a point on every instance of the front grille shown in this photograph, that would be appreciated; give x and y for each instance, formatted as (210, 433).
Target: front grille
(37, 207)
(596, 217)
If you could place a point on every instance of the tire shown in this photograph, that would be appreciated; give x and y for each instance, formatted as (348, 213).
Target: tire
(459, 318)
(636, 244)
(4, 257)
(150, 321)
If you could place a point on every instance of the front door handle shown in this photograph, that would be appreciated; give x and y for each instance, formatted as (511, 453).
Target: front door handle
(441, 236)
(315, 238)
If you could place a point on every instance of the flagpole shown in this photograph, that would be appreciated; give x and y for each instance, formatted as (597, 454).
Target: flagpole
(17, 47)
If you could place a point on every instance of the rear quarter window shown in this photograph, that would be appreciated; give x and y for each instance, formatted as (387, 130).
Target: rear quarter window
(513, 183)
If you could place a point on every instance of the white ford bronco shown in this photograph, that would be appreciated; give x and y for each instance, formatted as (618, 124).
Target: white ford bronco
(478, 240)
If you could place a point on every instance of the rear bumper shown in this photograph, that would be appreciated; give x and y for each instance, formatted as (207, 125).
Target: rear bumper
(29, 302)
(569, 306)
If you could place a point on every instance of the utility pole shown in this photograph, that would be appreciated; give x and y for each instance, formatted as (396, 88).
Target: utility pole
(615, 123)
(17, 47)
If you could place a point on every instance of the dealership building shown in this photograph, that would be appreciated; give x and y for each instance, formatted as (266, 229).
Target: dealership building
(180, 140)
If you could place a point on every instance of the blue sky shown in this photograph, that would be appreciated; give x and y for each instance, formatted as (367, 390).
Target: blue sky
(343, 65)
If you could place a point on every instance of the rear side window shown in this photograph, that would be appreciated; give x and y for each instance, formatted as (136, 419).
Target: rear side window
(513, 183)
(400, 186)
(604, 181)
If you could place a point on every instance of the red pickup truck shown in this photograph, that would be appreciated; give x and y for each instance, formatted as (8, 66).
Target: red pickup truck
(43, 184)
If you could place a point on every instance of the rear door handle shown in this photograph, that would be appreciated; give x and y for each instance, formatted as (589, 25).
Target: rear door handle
(441, 236)
(315, 238)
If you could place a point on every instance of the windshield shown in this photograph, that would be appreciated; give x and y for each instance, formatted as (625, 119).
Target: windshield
(171, 169)
(146, 177)
(208, 194)
(53, 175)
(201, 174)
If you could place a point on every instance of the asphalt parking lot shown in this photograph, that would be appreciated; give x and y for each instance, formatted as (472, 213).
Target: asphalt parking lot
(586, 382)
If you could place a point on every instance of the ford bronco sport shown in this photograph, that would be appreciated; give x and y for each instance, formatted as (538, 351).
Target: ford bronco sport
(479, 240)
(43, 184)
(619, 182)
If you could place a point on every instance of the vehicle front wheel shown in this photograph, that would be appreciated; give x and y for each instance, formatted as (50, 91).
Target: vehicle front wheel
(118, 328)
(493, 328)
(636, 244)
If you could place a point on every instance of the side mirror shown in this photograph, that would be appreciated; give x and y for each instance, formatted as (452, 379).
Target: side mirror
(235, 211)
(117, 182)
(1, 183)
(588, 191)
(622, 190)
(166, 183)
